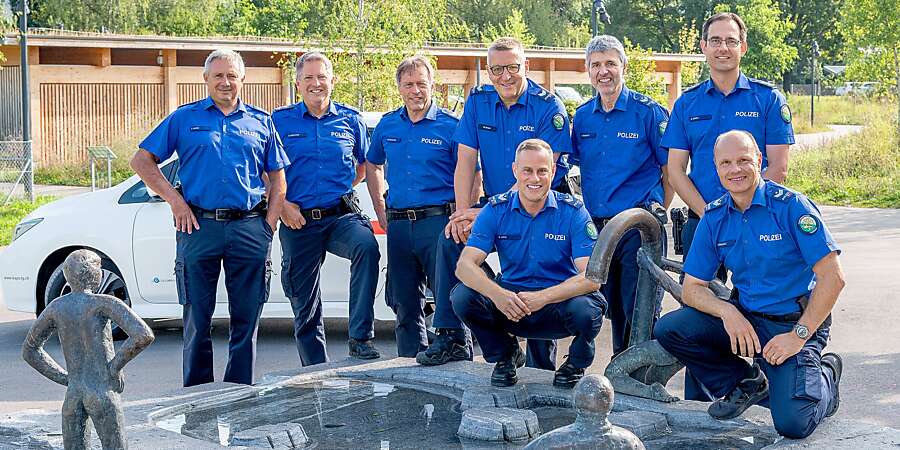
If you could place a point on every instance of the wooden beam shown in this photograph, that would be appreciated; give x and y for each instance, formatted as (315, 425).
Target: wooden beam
(94, 74)
(550, 81)
(184, 75)
(286, 82)
(170, 85)
(103, 57)
(674, 86)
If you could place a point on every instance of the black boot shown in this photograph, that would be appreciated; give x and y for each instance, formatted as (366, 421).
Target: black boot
(504, 373)
(567, 376)
(449, 345)
(834, 362)
(363, 349)
(747, 393)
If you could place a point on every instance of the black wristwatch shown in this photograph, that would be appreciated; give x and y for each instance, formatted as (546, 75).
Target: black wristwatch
(801, 331)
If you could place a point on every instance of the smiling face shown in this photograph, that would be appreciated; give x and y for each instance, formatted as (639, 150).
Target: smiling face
(416, 87)
(315, 82)
(738, 163)
(509, 85)
(223, 82)
(722, 58)
(606, 71)
(534, 170)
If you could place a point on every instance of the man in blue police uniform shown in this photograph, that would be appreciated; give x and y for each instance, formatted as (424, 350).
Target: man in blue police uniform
(615, 141)
(225, 147)
(495, 120)
(785, 266)
(415, 141)
(728, 100)
(326, 142)
(544, 240)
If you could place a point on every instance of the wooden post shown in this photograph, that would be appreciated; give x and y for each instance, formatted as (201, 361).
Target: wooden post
(170, 83)
(34, 74)
(674, 88)
(286, 87)
(549, 81)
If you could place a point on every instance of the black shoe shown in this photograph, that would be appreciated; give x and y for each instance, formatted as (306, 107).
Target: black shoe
(747, 393)
(363, 349)
(567, 376)
(834, 362)
(449, 345)
(504, 373)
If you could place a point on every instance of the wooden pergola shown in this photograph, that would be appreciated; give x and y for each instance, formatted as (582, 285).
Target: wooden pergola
(91, 88)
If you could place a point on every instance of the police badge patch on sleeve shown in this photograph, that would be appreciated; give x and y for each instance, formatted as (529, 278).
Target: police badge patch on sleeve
(786, 113)
(662, 126)
(591, 230)
(558, 121)
(808, 224)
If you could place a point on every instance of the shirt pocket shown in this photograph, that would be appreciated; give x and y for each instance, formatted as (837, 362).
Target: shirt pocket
(698, 126)
(200, 137)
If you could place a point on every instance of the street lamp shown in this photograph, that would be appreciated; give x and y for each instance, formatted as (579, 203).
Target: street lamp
(26, 98)
(597, 7)
(813, 89)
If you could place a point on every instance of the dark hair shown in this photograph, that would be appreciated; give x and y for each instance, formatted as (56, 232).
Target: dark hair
(725, 16)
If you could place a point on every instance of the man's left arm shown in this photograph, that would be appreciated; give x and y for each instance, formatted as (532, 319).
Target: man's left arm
(778, 156)
(779, 136)
(360, 147)
(572, 287)
(276, 189)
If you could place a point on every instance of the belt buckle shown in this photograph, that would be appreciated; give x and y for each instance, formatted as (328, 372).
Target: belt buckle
(316, 214)
(221, 214)
(411, 214)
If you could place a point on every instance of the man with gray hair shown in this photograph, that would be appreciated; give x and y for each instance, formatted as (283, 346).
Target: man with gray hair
(615, 141)
(415, 141)
(225, 214)
(544, 240)
(327, 143)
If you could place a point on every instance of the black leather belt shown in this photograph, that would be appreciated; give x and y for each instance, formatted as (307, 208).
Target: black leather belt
(224, 214)
(321, 213)
(692, 214)
(417, 213)
(792, 317)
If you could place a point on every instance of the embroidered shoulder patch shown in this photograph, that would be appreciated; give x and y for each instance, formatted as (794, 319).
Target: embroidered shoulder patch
(808, 224)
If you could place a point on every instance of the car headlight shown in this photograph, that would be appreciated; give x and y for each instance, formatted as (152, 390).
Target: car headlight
(24, 226)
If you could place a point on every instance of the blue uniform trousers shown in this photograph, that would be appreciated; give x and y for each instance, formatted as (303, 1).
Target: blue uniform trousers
(541, 353)
(693, 389)
(242, 247)
(348, 236)
(800, 392)
(621, 285)
(411, 256)
(579, 316)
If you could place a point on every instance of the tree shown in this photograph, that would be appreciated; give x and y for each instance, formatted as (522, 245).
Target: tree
(770, 55)
(872, 30)
(814, 20)
(514, 26)
(641, 73)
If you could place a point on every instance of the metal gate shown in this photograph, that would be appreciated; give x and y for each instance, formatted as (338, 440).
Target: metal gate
(16, 170)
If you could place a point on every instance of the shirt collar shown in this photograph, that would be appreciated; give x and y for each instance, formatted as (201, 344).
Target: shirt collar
(621, 102)
(549, 203)
(759, 196)
(523, 99)
(742, 83)
(208, 103)
(431, 114)
(303, 109)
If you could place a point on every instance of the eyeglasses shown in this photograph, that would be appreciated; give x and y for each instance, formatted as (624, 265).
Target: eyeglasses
(717, 42)
(511, 68)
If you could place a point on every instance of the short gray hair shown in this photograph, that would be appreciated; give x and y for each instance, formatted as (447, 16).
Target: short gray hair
(538, 145)
(228, 55)
(412, 63)
(313, 56)
(604, 43)
(507, 43)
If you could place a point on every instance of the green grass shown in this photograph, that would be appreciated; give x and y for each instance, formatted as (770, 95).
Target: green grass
(80, 174)
(12, 213)
(832, 110)
(861, 170)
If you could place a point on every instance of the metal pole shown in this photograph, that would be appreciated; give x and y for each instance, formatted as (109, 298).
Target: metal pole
(26, 100)
(593, 19)
(812, 92)
(360, 60)
(108, 172)
(478, 72)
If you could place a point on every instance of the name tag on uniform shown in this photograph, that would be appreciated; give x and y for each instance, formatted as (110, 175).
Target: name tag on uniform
(508, 237)
(296, 135)
(484, 127)
(700, 117)
(587, 135)
(200, 128)
(392, 139)
(725, 244)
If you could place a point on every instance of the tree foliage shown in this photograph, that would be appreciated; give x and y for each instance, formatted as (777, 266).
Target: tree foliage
(641, 75)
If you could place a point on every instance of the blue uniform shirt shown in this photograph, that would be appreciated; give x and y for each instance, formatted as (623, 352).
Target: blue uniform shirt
(770, 248)
(222, 157)
(535, 252)
(495, 131)
(619, 153)
(324, 152)
(421, 157)
(702, 113)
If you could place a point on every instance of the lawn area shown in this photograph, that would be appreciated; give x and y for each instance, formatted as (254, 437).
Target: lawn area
(80, 174)
(832, 110)
(12, 213)
(862, 169)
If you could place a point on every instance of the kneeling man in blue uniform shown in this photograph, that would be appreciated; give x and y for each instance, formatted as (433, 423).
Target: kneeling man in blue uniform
(785, 267)
(544, 240)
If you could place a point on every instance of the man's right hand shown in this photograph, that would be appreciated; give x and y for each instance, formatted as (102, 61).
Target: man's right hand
(290, 215)
(185, 220)
(381, 214)
(744, 341)
(458, 231)
(511, 305)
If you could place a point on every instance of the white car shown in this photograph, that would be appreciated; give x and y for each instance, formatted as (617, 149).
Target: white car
(132, 231)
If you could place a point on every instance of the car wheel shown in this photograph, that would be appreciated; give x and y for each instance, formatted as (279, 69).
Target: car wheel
(111, 283)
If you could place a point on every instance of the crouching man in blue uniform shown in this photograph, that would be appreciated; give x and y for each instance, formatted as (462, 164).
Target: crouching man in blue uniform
(544, 240)
(785, 266)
